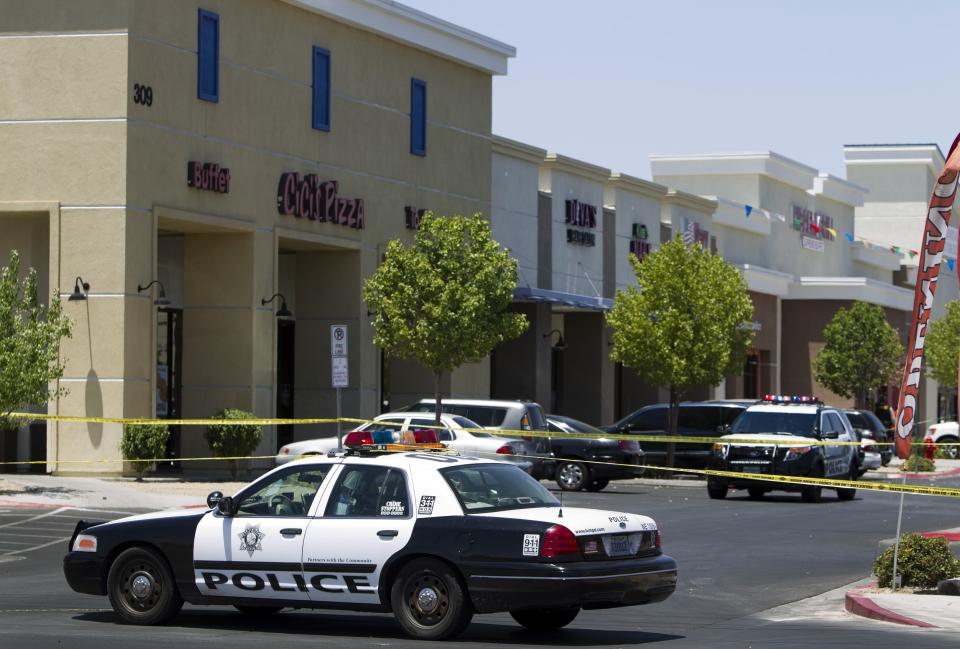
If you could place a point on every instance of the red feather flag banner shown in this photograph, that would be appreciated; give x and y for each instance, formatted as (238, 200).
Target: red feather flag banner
(931, 254)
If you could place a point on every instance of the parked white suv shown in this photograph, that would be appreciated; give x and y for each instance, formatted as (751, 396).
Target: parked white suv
(455, 435)
(943, 433)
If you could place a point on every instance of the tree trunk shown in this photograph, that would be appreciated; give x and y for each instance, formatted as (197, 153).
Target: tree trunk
(673, 417)
(437, 375)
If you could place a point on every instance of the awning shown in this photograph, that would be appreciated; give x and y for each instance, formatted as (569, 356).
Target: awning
(572, 300)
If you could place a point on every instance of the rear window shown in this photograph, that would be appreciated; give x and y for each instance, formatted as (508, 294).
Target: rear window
(652, 419)
(463, 422)
(699, 418)
(794, 423)
(496, 487)
(485, 416)
(857, 420)
(537, 419)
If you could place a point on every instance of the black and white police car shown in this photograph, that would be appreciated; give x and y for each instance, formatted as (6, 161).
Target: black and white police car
(433, 537)
(774, 437)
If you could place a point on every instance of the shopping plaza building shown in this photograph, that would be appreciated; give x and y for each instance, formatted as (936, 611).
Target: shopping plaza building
(214, 181)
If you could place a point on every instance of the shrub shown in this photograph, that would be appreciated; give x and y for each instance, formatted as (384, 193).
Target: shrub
(233, 440)
(922, 563)
(917, 463)
(143, 442)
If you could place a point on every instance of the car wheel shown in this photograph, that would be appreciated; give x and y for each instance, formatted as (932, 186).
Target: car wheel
(258, 611)
(141, 587)
(849, 494)
(597, 485)
(950, 452)
(813, 493)
(716, 492)
(545, 619)
(756, 492)
(572, 476)
(429, 601)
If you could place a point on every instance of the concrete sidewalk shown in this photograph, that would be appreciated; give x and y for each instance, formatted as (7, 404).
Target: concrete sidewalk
(913, 609)
(894, 470)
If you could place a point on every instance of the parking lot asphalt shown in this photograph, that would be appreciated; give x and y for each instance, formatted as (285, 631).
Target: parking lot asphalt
(747, 572)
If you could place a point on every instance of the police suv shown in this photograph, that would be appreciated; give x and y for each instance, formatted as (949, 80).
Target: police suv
(773, 437)
(434, 537)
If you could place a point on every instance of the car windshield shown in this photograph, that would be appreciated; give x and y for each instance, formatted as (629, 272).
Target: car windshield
(496, 487)
(793, 423)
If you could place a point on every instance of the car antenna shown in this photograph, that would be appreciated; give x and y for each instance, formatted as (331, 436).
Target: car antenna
(560, 515)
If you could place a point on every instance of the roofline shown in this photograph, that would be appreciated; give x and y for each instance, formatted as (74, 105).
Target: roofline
(516, 149)
(412, 27)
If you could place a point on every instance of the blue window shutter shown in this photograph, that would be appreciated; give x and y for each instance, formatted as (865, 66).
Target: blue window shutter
(418, 117)
(321, 89)
(208, 55)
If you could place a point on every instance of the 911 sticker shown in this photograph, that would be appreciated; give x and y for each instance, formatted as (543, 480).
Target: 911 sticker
(531, 545)
(426, 505)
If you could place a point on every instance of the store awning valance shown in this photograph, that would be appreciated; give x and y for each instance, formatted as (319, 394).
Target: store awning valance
(571, 300)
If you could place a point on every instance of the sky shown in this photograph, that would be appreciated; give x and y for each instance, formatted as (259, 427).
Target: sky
(612, 81)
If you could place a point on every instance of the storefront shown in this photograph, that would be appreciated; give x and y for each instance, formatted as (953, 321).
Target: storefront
(224, 193)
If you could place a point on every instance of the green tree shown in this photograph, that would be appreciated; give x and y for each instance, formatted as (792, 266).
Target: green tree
(30, 335)
(942, 346)
(143, 442)
(862, 352)
(682, 325)
(443, 300)
(233, 441)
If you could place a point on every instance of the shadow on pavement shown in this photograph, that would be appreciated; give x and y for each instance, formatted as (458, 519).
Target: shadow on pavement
(372, 625)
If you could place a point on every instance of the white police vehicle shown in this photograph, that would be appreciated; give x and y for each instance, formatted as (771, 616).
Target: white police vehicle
(774, 437)
(433, 537)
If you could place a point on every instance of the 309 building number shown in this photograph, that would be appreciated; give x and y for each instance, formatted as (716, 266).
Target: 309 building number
(142, 95)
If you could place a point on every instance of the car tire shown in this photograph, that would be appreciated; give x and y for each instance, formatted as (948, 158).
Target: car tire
(141, 588)
(849, 494)
(950, 452)
(548, 619)
(597, 485)
(258, 611)
(572, 475)
(429, 601)
(756, 493)
(813, 493)
(716, 492)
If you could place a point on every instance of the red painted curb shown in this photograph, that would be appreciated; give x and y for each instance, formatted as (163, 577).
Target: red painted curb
(17, 503)
(952, 473)
(949, 536)
(865, 607)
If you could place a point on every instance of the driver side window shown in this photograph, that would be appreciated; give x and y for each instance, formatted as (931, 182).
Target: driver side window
(290, 493)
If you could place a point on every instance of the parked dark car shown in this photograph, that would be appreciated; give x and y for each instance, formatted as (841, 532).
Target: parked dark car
(864, 420)
(572, 473)
(697, 419)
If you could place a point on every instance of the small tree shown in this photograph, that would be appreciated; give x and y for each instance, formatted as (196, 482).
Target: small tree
(922, 562)
(30, 335)
(942, 346)
(862, 352)
(682, 325)
(142, 442)
(233, 441)
(443, 300)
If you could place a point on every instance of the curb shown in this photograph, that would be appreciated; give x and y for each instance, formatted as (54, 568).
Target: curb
(859, 604)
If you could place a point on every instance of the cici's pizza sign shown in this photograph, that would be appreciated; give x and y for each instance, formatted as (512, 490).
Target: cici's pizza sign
(305, 197)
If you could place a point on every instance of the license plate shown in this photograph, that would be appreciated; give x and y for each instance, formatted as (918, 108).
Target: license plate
(618, 545)
(753, 469)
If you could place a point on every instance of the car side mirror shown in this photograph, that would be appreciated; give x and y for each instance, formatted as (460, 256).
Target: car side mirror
(225, 506)
(830, 434)
(214, 498)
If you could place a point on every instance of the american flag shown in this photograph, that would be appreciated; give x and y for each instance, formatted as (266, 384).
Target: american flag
(689, 233)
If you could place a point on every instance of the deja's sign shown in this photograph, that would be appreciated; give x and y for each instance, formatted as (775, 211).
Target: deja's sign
(308, 198)
(580, 215)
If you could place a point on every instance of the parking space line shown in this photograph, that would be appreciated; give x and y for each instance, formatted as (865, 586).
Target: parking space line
(2, 542)
(38, 547)
(30, 536)
(35, 518)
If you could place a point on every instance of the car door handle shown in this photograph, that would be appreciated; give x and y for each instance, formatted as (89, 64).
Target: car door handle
(387, 534)
(290, 531)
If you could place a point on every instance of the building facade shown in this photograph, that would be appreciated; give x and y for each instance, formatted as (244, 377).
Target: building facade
(231, 150)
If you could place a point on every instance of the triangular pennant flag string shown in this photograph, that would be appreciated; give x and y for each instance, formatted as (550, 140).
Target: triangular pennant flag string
(950, 263)
(833, 233)
(747, 209)
(849, 236)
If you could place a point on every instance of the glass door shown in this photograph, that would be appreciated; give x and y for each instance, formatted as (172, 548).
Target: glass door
(169, 380)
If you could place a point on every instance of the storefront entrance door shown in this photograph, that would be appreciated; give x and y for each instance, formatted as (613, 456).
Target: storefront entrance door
(285, 364)
(169, 380)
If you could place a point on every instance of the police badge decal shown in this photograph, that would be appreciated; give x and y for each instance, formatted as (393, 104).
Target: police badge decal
(250, 539)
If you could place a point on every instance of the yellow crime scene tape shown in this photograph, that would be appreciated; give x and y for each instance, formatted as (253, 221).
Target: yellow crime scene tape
(825, 482)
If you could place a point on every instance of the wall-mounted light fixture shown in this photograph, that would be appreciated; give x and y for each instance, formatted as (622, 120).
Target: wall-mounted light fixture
(283, 311)
(77, 293)
(161, 300)
(561, 343)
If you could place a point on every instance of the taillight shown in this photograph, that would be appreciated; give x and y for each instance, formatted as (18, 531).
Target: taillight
(629, 445)
(525, 422)
(358, 438)
(285, 450)
(505, 450)
(559, 541)
(656, 539)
